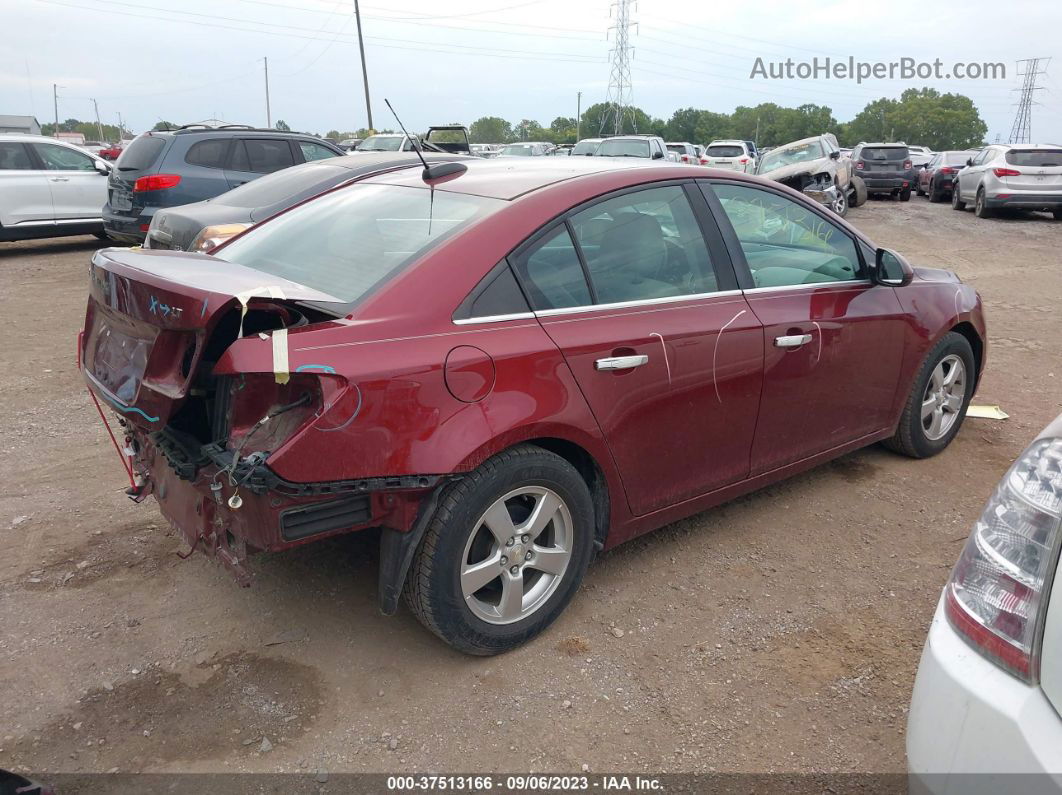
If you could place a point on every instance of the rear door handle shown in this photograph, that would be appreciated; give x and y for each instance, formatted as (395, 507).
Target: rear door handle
(60, 179)
(621, 362)
(792, 341)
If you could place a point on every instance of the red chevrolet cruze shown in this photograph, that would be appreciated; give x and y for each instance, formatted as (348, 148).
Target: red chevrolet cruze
(507, 366)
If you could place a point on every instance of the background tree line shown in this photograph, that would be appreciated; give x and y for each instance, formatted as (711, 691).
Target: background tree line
(923, 116)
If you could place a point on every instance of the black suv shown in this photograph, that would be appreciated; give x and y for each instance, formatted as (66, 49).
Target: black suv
(189, 164)
(885, 168)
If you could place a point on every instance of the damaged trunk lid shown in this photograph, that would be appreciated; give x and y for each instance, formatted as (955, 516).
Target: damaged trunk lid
(154, 319)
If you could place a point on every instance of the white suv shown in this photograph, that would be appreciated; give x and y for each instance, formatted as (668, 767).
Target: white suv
(988, 693)
(730, 155)
(49, 188)
(1017, 176)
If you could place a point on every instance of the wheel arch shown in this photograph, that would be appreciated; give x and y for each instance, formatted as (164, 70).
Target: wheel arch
(590, 471)
(977, 344)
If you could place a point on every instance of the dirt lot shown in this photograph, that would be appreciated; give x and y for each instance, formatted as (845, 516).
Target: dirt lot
(780, 632)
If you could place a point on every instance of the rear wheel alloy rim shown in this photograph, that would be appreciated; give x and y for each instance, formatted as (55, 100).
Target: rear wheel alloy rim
(943, 398)
(516, 556)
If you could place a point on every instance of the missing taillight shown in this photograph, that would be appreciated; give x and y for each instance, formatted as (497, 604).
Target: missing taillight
(263, 414)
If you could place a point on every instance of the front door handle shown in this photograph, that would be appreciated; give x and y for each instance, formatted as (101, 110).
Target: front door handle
(792, 341)
(60, 179)
(621, 362)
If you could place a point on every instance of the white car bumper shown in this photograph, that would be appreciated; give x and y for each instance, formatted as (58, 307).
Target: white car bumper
(973, 728)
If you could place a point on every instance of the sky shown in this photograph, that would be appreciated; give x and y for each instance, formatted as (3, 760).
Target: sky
(441, 62)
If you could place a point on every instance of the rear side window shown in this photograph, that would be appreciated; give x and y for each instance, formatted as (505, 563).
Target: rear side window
(262, 155)
(141, 153)
(724, 151)
(60, 158)
(553, 274)
(1035, 158)
(209, 154)
(14, 157)
(877, 153)
(497, 294)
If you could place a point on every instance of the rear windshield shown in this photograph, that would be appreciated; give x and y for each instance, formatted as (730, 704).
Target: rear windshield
(585, 147)
(141, 153)
(725, 150)
(957, 158)
(680, 148)
(347, 242)
(520, 150)
(619, 148)
(1035, 158)
(288, 183)
(381, 143)
(876, 153)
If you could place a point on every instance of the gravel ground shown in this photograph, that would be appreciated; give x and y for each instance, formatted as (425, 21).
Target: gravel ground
(780, 632)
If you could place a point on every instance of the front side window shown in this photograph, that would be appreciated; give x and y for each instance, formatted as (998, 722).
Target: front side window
(644, 245)
(312, 151)
(60, 158)
(14, 157)
(784, 242)
(347, 242)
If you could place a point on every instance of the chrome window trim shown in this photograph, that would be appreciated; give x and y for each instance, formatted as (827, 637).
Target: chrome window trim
(465, 321)
(779, 288)
(670, 299)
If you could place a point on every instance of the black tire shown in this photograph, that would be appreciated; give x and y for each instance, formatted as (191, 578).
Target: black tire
(918, 188)
(910, 438)
(433, 587)
(981, 208)
(905, 195)
(1057, 214)
(859, 192)
(101, 236)
(956, 202)
(935, 195)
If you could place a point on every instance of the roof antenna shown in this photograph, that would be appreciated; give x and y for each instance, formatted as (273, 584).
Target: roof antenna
(432, 172)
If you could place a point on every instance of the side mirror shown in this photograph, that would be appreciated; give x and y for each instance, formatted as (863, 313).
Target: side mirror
(101, 167)
(658, 155)
(835, 155)
(969, 161)
(890, 269)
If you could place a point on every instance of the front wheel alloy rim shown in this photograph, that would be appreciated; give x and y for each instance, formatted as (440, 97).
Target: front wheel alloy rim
(840, 204)
(943, 398)
(516, 556)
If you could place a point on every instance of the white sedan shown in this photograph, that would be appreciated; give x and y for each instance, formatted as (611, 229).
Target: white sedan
(988, 694)
(49, 188)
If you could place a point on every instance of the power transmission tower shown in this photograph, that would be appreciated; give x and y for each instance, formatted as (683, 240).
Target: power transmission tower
(619, 82)
(1021, 132)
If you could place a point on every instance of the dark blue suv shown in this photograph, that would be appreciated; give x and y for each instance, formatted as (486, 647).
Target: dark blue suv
(190, 164)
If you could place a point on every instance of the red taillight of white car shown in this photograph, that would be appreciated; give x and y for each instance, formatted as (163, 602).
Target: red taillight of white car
(1006, 172)
(998, 592)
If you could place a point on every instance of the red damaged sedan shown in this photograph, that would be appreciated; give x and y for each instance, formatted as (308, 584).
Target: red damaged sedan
(506, 367)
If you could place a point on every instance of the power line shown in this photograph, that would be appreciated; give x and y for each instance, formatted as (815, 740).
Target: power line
(619, 82)
(1021, 131)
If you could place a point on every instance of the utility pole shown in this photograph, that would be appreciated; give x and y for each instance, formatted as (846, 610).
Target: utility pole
(578, 115)
(364, 72)
(55, 102)
(1021, 132)
(121, 128)
(619, 82)
(269, 116)
(99, 127)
